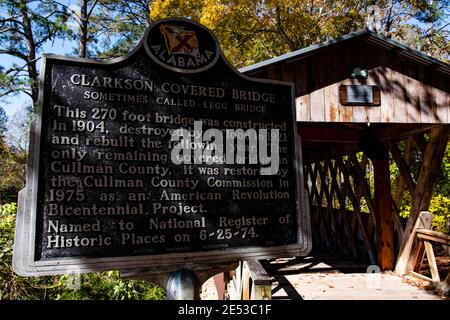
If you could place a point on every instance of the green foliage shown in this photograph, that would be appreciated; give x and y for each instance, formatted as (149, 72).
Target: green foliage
(97, 286)
(25, 26)
(12, 172)
(11, 285)
(253, 30)
(440, 207)
(443, 183)
(123, 23)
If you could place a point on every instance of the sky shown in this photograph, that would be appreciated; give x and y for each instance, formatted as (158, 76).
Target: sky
(59, 46)
(17, 102)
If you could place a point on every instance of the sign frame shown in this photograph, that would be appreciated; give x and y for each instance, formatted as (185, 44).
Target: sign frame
(345, 100)
(25, 238)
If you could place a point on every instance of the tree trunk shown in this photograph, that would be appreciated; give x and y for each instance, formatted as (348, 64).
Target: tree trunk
(31, 58)
(83, 28)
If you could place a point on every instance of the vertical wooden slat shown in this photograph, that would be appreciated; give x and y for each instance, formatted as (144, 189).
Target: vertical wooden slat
(344, 68)
(245, 283)
(441, 108)
(288, 72)
(447, 103)
(301, 77)
(398, 92)
(302, 101)
(275, 72)
(331, 99)
(387, 108)
(317, 106)
(303, 108)
(331, 96)
(315, 81)
(414, 88)
(219, 283)
(409, 94)
(375, 78)
(425, 97)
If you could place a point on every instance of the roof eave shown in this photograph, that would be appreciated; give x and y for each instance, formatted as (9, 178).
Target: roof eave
(372, 37)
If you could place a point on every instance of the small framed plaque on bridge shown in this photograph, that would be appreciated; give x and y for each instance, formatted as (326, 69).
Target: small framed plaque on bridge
(359, 95)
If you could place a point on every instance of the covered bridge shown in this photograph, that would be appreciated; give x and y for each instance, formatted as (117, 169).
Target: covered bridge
(364, 101)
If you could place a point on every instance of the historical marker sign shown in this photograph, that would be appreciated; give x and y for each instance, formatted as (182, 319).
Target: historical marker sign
(163, 157)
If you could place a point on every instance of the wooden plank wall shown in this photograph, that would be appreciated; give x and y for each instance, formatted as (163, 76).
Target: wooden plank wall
(410, 92)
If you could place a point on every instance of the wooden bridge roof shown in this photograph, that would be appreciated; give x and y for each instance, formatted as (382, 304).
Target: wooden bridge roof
(414, 88)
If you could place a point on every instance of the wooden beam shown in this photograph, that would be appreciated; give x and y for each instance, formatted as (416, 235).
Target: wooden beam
(383, 213)
(407, 258)
(335, 135)
(326, 152)
(432, 261)
(434, 236)
(400, 190)
(419, 257)
(397, 132)
(429, 171)
(362, 183)
(220, 281)
(402, 167)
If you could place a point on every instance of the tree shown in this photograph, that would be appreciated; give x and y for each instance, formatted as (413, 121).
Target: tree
(3, 122)
(85, 19)
(123, 25)
(13, 154)
(419, 24)
(18, 132)
(106, 28)
(25, 25)
(254, 30)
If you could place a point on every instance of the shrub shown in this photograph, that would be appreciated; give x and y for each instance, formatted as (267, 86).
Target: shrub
(440, 208)
(98, 286)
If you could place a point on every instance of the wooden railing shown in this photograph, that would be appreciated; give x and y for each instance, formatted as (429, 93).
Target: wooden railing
(420, 244)
(425, 237)
(249, 281)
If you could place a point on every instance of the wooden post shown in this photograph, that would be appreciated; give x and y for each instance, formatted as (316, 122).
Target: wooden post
(383, 212)
(220, 284)
(406, 261)
(183, 285)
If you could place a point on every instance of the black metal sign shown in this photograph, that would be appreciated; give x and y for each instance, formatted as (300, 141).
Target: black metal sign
(165, 155)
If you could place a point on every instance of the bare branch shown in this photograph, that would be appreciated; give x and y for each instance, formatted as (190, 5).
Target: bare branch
(17, 70)
(11, 29)
(14, 53)
(92, 9)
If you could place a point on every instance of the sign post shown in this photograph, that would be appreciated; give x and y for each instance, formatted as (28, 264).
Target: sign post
(183, 285)
(163, 159)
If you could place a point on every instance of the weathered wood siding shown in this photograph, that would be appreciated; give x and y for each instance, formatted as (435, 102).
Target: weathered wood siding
(410, 92)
